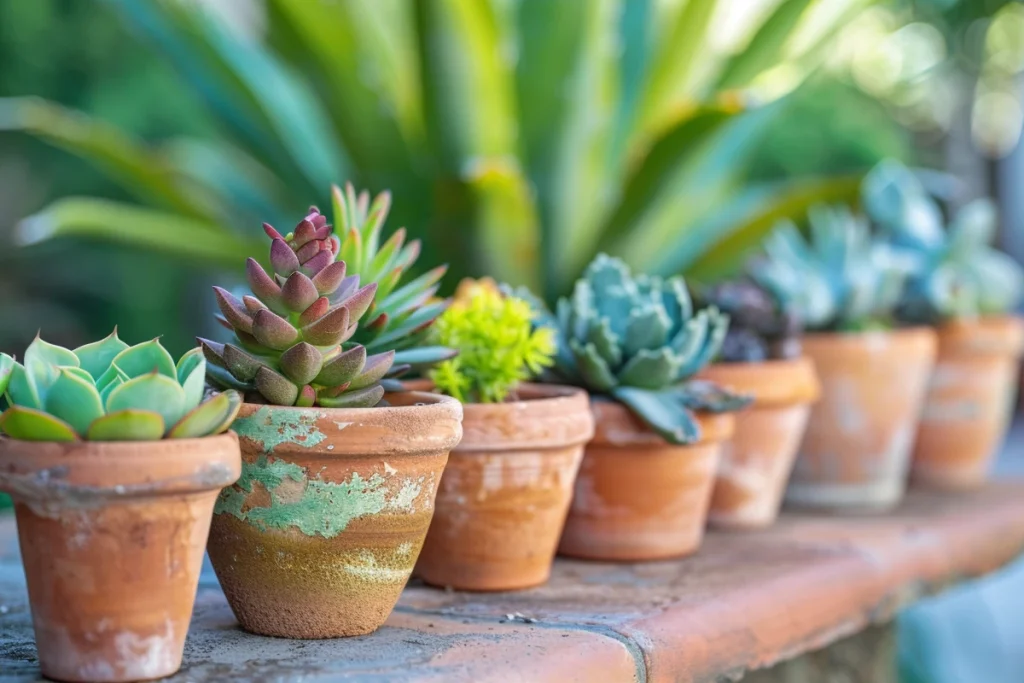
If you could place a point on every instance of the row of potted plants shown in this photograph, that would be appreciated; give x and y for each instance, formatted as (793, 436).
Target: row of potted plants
(651, 414)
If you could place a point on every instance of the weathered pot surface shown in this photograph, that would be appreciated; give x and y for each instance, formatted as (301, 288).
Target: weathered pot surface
(506, 491)
(112, 537)
(969, 402)
(320, 534)
(756, 463)
(855, 454)
(638, 497)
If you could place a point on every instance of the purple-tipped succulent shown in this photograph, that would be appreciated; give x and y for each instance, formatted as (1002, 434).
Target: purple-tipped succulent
(292, 335)
(760, 327)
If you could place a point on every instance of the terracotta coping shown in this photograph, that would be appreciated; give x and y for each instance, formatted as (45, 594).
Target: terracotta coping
(745, 601)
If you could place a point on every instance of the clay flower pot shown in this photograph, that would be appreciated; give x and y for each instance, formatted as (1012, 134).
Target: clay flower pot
(637, 496)
(969, 402)
(856, 451)
(319, 535)
(506, 491)
(112, 537)
(756, 463)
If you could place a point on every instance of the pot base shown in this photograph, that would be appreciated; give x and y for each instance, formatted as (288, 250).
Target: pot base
(878, 496)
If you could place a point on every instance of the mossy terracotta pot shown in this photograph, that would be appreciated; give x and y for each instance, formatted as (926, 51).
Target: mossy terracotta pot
(969, 402)
(756, 462)
(322, 530)
(856, 451)
(638, 497)
(112, 538)
(506, 491)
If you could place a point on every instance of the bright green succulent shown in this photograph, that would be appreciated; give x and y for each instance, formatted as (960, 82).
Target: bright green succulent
(639, 341)
(497, 344)
(956, 274)
(399, 318)
(292, 339)
(109, 391)
(842, 279)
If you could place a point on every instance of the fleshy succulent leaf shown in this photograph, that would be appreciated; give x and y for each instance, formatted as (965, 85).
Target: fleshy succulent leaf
(234, 309)
(343, 368)
(20, 389)
(298, 292)
(154, 392)
(275, 387)
(192, 377)
(95, 358)
(592, 367)
(209, 418)
(375, 368)
(708, 396)
(74, 400)
(223, 379)
(6, 370)
(145, 358)
(663, 412)
(361, 398)
(283, 258)
(127, 425)
(240, 363)
(329, 279)
(273, 331)
(301, 363)
(649, 369)
(328, 330)
(264, 286)
(29, 424)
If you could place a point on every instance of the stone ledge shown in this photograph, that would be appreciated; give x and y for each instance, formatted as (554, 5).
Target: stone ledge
(745, 602)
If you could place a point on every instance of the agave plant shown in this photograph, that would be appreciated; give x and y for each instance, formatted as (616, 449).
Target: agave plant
(289, 335)
(639, 341)
(109, 391)
(761, 327)
(399, 317)
(525, 137)
(843, 279)
(956, 273)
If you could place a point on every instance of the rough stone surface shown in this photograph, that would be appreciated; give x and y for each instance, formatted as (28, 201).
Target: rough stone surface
(746, 601)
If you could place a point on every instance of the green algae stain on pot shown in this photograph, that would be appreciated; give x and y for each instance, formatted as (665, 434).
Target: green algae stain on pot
(297, 501)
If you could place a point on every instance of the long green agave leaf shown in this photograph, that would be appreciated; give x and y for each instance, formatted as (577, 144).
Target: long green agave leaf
(766, 46)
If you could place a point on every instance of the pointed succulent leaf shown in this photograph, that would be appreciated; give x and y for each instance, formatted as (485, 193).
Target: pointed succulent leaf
(661, 411)
(223, 379)
(212, 351)
(264, 286)
(303, 234)
(233, 309)
(250, 344)
(127, 425)
(192, 359)
(329, 279)
(301, 363)
(307, 397)
(6, 369)
(710, 397)
(144, 358)
(272, 233)
(153, 392)
(420, 319)
(360, 301)
(315, 311)
(343, 368)
(192, 377)
(398, 299)
(376, 367)
(298, 292)
(347, 288)
(382, 261)
(606, 342)
(276, 388)
(50, 354)
(95, 358)
(28, 424)
(307, 250)
(361, 398)
(115, 382)
(718, 325)
(691, 338)
(241, 364)
(650, 369)
(74, 400)
(422, 357)
(111, 375)
(646, 328)
(252, 304)
(282, 258)
(593, 369)
(209, 418)
(21, 390)
(42, 367)
(79, 373)
(328, 330)
(273, 331)
(317, 263)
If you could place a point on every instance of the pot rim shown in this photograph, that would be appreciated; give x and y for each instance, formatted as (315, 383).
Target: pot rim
(539, 403)
(903, 334)
(776, 382)
(95, 472)
(987, 335)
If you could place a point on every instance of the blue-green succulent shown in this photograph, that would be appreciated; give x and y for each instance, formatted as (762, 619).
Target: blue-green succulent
(842, 279)
(110, 391)
(638, 340)
(956, 274)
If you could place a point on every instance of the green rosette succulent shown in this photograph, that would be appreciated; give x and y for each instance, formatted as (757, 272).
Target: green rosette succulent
(401, 314)
(292, 337)
(956, 273)
(842, 279)
(109, 391)
(638, 340)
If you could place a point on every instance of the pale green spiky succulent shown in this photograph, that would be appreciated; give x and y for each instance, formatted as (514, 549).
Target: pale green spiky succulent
(956, 273)
(639, 341)
(109, 391)
(842, 279)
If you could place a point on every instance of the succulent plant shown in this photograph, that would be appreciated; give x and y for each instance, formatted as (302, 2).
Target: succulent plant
(760, 326)
(109, 391)
(400, 316)
(292, 337)
(639, 341)
(843, 279)
(956, 273)
(498, 347)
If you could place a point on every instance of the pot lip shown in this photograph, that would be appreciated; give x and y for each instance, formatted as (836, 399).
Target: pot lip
(84, 445)
(425, 400)
(860, 337)
(773, 383)
(715, 427)
(919, 338)
(987, 335)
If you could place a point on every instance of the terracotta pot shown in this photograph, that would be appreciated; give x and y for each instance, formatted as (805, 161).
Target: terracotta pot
(506, 491)
(856, 452)
(969, 402)
(756, 462)
(319, 536)
(112, 537)
(637, 496)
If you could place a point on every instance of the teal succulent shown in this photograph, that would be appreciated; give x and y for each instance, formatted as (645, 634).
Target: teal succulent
(843, 279)
(109, 391)
(638, 340)
(956, 274)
